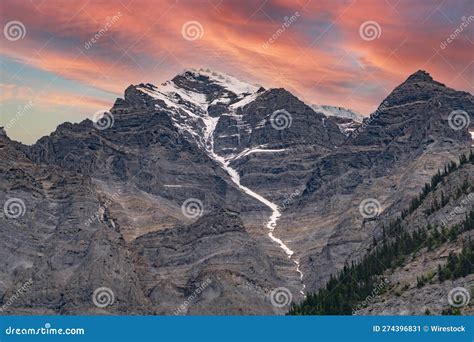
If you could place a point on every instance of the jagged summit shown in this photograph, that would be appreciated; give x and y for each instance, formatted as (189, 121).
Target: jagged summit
(221, 79)
(199, 179)
(420, 76)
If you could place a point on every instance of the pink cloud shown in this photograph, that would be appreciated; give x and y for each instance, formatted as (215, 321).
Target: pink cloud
(146, 44)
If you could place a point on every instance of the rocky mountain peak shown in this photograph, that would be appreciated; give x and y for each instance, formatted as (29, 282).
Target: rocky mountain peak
(420, 76)
(213, 178)
(416, 110)
(207, 81)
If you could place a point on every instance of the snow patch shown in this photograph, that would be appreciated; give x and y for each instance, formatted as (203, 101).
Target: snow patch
(248, 151)
(245, 101)
(191, 107)
(226, 81)
(339, 112)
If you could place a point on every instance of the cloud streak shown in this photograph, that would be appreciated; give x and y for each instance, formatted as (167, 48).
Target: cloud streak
(321, 56)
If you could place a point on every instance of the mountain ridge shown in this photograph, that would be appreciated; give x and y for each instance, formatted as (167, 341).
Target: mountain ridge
(294, 178)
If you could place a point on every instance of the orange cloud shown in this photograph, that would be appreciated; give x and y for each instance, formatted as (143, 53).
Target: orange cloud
(321, 56)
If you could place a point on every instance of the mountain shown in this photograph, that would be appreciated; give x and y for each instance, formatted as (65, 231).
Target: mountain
(338, 112)
(440, 263)
(418, 262)
(209, 195)
(385, 162)
(347, 120)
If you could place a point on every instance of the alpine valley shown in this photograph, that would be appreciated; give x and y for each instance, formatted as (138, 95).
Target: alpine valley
(209, 195)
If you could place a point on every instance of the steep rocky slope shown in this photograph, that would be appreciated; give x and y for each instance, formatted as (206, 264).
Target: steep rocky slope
(212, 185)
(385, 162)
(418, 263)
(416, 287)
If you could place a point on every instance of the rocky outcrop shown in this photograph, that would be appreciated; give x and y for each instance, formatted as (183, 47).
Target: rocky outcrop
(404, 294)
(387, 159)
(105, 202)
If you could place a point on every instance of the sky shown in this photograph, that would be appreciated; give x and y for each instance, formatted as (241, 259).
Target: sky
(66, 60)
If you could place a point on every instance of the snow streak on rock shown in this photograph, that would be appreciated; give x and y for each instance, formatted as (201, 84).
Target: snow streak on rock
(190, 114)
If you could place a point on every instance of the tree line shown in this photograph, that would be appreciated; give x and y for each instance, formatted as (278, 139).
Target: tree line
(355, 282)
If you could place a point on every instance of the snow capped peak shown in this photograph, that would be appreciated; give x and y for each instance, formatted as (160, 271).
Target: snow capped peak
(224, 80)
(195, 96)
(339, 112)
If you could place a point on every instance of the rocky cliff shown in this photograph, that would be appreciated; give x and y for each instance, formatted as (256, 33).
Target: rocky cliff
(206, 194)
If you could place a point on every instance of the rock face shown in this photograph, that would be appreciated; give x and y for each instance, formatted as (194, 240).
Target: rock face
(206, 193)
(404, 294)
(388, 159)
(216, 251)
